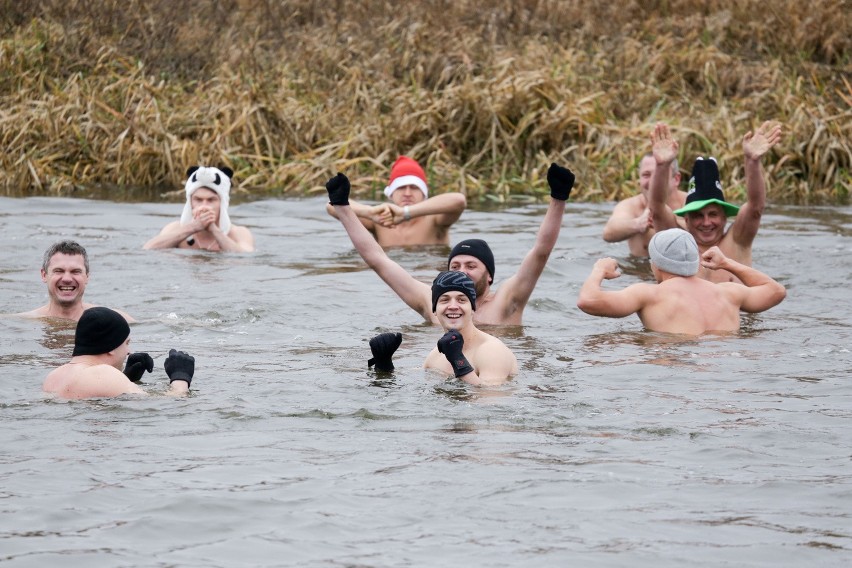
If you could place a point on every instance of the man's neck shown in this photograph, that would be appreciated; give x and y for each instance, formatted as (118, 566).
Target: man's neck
(72, 311)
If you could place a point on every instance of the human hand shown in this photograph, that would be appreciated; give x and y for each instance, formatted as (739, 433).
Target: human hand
(338, 190)
(136, 365)
(644, 221)
(179, 366)
(451, 345)
(608, 267)
(560, 180)
(383, 346)
(204, 217)
(383, 215)
(757, 144)
(713, 258)
(663, 146)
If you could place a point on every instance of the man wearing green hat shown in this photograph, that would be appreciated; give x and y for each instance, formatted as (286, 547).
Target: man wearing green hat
(706, 212)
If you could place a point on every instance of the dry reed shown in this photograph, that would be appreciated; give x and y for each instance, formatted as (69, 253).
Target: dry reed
(287, 93)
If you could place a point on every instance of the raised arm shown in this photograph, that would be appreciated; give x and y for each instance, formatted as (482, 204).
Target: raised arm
(613, 304)
(520, 285)
(758, 292)
(173, 235)
(366, 213)
(416, 294)
(664, 149)
(755, 146)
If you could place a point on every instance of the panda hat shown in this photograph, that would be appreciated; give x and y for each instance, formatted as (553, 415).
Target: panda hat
(214, 179)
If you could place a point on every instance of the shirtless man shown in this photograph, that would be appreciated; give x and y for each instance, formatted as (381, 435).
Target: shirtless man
(463, 351)
(473, 257)
(412, 217)
(205, 223)
(681, 302)
(631, 217)
(65, 271)
(101, 345)
(706, 212)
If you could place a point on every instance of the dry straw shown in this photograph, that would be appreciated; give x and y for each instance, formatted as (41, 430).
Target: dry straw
(287, 93)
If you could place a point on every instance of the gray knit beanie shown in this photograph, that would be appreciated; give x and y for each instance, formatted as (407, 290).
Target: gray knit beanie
(674, 251)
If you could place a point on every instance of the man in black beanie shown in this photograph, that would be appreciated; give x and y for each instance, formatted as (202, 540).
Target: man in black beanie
(101, 346)
(473, 257)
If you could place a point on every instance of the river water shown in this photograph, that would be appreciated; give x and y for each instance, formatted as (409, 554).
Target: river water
(612, 447)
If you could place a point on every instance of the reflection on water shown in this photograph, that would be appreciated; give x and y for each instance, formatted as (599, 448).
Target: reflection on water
(613, 446)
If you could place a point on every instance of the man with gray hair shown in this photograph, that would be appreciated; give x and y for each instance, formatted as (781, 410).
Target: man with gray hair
(681, 302)
(65, 271)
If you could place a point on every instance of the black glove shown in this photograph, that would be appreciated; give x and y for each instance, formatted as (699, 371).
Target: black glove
(338, 190)
(451, 345)
(136, 365)
(179, 366)
(560, 180)
(383, 347)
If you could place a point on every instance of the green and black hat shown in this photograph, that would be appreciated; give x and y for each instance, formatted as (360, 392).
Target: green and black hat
(705, 188)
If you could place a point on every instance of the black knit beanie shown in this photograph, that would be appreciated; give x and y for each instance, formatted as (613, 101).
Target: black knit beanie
(99, 331)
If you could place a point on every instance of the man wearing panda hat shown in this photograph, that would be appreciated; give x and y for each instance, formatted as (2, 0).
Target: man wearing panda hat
(411, 217)
(204, 223)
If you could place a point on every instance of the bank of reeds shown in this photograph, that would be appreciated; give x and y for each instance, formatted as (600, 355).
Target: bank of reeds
(485, 95)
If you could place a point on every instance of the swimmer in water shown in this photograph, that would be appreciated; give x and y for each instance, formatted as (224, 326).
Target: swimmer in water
(101, 347)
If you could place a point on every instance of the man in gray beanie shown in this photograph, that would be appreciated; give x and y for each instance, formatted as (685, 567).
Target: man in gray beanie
(680, 301)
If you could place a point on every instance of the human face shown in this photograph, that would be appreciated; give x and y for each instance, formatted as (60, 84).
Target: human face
(453, 310)
(407, 195)
(707, 224)
(204, 198)
(120, 353)
(475, 270)
(66, 279)
(646, 170)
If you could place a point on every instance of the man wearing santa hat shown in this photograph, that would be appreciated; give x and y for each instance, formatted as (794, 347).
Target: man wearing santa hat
(205, 223)
(411, 217)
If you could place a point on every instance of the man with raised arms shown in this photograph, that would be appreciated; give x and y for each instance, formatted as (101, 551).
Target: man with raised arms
(101, 346)
(504, 306)
(411, 217)
(65, 271)
(681, 302)
(464, 351)
(631, 218)
(205, 223)
(706, 212)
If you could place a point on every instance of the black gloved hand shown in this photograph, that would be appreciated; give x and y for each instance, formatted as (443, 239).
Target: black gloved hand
(383, 347)
(179, 366)
(451, 345)
(136, 365)
(560, 180)
(338, 190)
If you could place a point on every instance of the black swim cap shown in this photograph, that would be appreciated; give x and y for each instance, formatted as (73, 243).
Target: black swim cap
(99, 331)
(453, 281)
(476, 248)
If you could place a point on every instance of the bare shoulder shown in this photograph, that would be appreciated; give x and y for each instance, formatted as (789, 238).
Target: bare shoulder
(633, 203)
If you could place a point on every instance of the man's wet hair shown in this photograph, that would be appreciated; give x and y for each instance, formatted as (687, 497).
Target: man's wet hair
(65, 247)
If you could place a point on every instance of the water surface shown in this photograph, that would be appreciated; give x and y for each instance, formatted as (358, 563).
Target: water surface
(613, 446)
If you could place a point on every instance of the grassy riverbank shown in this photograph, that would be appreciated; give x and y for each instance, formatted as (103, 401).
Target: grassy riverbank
(287, 93)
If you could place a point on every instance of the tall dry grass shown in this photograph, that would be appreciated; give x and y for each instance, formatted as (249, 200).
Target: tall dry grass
(289, 92)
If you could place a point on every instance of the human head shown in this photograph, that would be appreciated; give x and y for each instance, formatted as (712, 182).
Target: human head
(70, 248)
(476, 248)
(674, 251)
(453, 281)
(705, 188)
(100, 330)
(647, 165)
(214, 179)
(407, 173)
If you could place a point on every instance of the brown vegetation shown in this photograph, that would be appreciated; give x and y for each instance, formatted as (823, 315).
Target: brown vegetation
(484, 94)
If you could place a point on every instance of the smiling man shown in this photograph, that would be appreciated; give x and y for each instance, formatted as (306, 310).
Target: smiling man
(411, 217)
(65, 271)
(706, 212)
(504, 306)
(464, 351)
